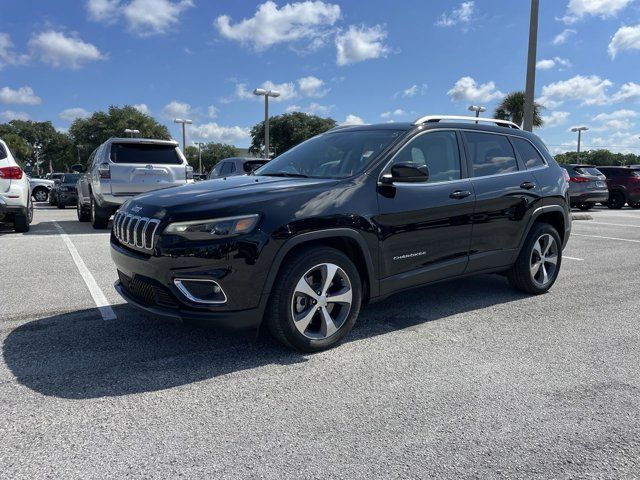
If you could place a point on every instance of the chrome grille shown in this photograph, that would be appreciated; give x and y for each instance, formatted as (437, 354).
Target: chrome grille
(135, 231)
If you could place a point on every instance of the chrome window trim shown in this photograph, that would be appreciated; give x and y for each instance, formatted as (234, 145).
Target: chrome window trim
(178, 283)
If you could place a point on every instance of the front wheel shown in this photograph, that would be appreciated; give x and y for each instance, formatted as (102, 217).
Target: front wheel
(616, 200)
(41, 195)
(538, 263)
(315, 300)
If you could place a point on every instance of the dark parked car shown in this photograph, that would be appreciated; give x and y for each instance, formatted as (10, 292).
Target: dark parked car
(346, 218)
(624, 186)
(587, 186)
(230, 167)
(66, 192)
(53, 193)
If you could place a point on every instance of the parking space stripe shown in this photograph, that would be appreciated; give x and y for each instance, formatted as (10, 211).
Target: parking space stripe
(573, 258)
(96, 293)
(612, 224)
(605, 238)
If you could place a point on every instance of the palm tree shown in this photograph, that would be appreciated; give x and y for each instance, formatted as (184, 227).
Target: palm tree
(512, 108)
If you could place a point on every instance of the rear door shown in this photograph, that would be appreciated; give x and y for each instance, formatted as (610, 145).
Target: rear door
(141, 167)
(505, 192)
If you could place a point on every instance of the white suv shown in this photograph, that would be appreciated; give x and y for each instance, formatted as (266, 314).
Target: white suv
(15, 193)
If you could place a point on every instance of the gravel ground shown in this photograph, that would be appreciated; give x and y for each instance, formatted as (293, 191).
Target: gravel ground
(459, 380)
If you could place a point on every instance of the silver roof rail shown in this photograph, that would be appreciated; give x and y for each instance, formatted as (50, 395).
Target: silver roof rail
(438, 118)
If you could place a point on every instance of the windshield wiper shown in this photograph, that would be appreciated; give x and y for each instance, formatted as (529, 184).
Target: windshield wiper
(285, 174)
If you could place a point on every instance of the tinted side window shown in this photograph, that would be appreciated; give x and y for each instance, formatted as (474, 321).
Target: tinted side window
(528, 153)
(3, 154)
(215, 171)
(226, 168)
(438, 151)
(491, 154)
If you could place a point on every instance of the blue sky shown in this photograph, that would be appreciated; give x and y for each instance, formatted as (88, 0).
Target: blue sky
(373, 61)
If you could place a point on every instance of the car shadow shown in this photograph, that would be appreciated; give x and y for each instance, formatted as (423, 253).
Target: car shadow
(79, 356)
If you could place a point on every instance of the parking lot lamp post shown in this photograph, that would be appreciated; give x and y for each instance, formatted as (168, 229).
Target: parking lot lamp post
(199, 144)
(184, 122)
(131, 132)
(79, 147)
(476, 108)
(266, 94)
(531, 68)
(579, 130)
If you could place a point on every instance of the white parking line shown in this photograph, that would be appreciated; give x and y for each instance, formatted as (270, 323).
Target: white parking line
(573, 258)
(606, 238)
(98, 297)
(612, 224)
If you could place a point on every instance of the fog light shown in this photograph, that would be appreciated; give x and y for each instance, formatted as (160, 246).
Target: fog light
(201, 290)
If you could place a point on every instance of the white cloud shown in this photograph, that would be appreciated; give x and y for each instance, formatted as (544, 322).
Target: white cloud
(398, 112)
(628, 92)
(9, 115)
(8, 56)
(60, 50)
(271, 25)
(293, 108)
(353, 120)
(360, 43)
(23, 95)
(142, 108)
(212, 111)
(578, 9)
(175, 109)
(548, 64)
(618, 120)
(311, 87)
(103, 10)
(412, 91)
(312, 109)
(563, 36)
(463, 14)
(590, 90)
(70, 114)
(626, 38)
(555, 118)
(467, 89)
(218, 133)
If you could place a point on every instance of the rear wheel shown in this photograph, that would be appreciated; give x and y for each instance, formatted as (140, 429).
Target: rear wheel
(99, 218)
(60, 205)
(538, 263)
(635, 205)
(616, 200)
(315, 300)
(22, 222)
(585, 206)
(40, 194)
(83, 214)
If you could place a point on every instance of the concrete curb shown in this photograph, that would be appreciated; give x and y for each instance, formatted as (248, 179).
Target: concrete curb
(581, 216)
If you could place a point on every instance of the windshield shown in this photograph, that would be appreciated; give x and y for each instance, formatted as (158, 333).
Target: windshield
(71, 178)
(145, 153)
(332, 155)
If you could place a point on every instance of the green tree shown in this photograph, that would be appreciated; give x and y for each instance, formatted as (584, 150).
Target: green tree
(89, 133)
(212, 153)
(600, 157)
(512, 108)
(288, 130)
(19, 147)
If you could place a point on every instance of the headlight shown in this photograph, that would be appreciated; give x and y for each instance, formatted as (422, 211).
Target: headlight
(214, 228)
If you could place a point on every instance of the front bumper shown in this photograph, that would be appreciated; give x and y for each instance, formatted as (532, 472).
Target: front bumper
(67, 198)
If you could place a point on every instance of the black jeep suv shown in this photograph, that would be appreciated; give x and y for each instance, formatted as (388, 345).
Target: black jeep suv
(345, 218)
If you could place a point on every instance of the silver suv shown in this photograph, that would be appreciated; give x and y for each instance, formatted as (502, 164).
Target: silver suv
(121, 168)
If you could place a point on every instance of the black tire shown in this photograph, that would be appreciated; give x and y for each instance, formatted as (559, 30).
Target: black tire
(279, 314)
(40, 194)
(61, 206)
(83, 214)
(635, 206)
(520, 275)
(21, 222)
(586, 206)
(99, 218)
(616, 200)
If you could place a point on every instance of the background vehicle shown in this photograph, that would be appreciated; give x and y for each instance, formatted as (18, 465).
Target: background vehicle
(66, 190)
(53, 193)
(587, 186)
(121, 168)
(15, 192)
(353, 215)
(624, 186)
(230, 167)
(40, 188)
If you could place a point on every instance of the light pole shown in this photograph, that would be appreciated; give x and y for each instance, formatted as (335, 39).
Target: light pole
(79, 147)
(199, 155)
(579, 130)
(131, 132)
(266, 94)
(531, 67)
(476, 108)
(184, 135)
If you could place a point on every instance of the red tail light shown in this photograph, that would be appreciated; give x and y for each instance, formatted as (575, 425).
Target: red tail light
(579, 179)
(11, 173)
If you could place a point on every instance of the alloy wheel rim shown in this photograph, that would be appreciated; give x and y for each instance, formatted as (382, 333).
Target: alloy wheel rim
(40, 196)
(544, 260)
(321, 301)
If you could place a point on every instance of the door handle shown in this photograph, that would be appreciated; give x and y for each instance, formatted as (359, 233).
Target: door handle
(459, 194)
(527, 185)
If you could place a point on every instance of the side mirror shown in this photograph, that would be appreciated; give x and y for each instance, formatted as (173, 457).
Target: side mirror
(78, 168)
(406, 173)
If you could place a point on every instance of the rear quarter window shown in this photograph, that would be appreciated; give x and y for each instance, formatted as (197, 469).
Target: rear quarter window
(146, 154)
(528, 153)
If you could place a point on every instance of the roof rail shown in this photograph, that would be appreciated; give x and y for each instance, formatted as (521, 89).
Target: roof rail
(438, 118)
(340, 127)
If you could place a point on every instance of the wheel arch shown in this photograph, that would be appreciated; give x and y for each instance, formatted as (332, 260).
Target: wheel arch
(554, 215)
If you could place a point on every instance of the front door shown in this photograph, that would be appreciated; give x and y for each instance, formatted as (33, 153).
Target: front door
(425, 228)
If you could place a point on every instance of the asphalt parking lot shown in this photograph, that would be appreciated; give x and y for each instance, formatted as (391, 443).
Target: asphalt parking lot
(464, 379)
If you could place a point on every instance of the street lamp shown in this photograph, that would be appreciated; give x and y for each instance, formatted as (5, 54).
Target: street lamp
(79, 147)
(531, 68)
(477, 109)
(199, 144)
(266, 94)
(184, 136)
(579, 130)
(131, 132)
